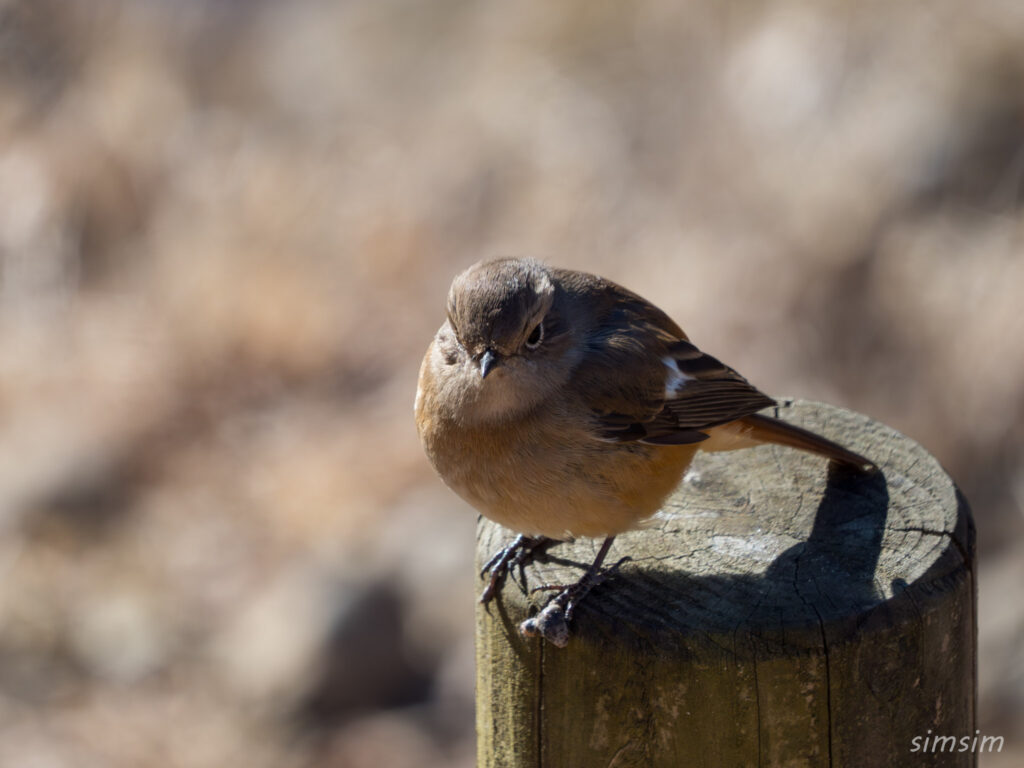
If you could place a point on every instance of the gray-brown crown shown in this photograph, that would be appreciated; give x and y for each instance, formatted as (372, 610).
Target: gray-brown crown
(495, 304)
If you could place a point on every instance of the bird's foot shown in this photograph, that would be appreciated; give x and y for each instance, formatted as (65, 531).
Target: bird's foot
(517, 553)
(552, 623)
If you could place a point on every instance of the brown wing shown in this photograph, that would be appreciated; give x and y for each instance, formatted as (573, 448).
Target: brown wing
(704, 394)
(645, 382)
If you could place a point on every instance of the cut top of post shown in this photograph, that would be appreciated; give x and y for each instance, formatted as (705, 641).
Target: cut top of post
(773, 543)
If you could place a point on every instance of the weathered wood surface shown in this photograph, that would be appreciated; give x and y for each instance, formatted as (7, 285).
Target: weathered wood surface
(777, 612)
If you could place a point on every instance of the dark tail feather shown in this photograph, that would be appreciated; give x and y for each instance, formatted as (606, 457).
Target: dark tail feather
(769, 430)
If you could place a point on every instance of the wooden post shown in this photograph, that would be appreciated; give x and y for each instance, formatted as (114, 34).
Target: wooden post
(779, 611)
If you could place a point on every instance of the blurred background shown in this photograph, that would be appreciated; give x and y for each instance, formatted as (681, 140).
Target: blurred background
(226, 233)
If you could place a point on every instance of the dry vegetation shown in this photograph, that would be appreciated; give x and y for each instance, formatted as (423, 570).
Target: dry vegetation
(226, 231)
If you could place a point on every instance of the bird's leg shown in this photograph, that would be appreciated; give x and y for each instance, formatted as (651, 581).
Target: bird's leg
(504, 560)
(570, 595)
(552, 623)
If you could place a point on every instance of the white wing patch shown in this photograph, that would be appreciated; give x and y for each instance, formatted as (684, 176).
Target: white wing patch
(676, 379)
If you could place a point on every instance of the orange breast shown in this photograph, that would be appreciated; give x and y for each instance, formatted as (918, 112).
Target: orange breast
(548, 475)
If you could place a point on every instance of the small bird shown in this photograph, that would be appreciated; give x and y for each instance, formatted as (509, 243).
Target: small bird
(562, 405)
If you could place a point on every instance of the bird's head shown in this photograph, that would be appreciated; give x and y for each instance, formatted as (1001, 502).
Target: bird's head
(511, 335)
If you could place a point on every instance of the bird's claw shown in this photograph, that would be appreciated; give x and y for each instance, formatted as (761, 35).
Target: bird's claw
(504, 560)
(552, 623)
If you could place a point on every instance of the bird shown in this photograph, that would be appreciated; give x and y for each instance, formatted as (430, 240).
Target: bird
(562, 405)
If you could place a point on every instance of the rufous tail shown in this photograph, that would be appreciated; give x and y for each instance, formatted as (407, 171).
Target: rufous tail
(755, 429)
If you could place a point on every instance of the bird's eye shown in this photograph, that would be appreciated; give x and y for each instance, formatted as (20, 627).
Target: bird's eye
(536, 336)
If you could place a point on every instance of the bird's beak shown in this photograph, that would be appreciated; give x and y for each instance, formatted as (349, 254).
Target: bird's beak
(487, 361)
